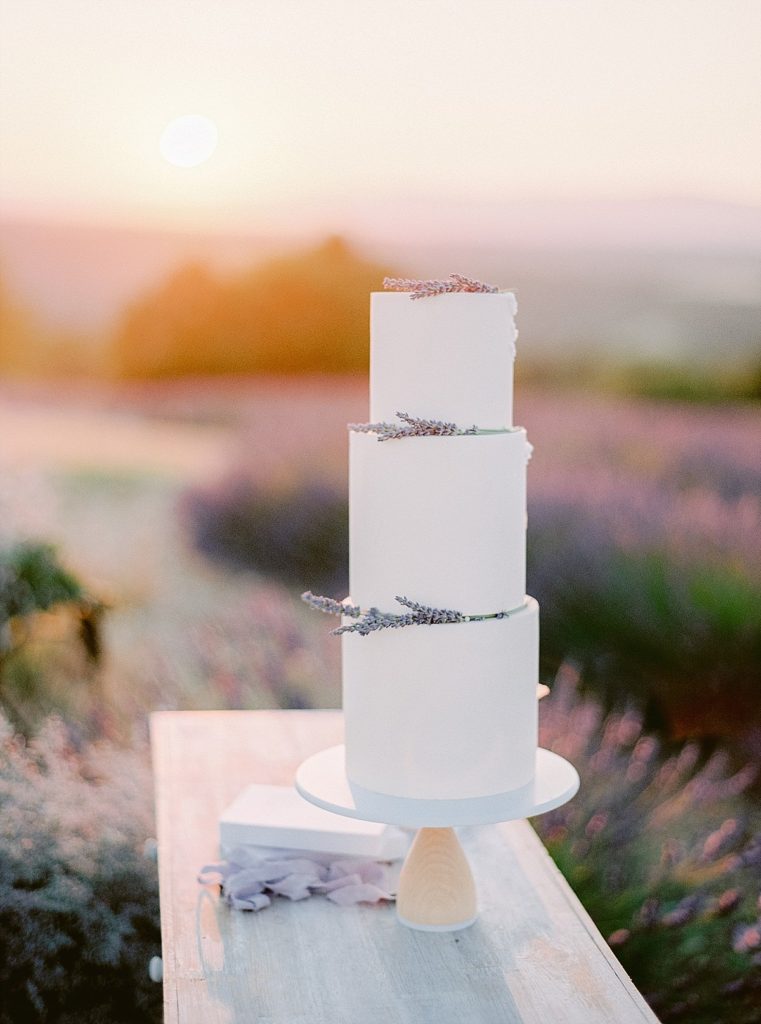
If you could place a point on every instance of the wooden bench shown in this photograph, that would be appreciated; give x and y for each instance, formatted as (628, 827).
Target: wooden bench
(533, 955)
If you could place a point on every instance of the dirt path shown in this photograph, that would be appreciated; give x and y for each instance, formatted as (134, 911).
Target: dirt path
(41, 437)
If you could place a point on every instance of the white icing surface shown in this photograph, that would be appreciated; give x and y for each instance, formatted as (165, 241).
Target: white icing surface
(448, 357)
(441, 712)
(440, 520)
(445, 711)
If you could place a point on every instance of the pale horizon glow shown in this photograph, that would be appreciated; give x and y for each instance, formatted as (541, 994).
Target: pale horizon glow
(326, 108)
(188, 141)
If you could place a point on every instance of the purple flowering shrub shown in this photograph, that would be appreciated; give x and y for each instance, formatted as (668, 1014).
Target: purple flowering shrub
(299, 535)
(240, 643)
(78, 898)
(645, 593)
(644, 551)
(663, 847)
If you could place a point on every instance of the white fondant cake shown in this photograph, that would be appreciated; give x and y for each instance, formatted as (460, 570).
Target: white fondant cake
(441, 711)
(444, 518)
(452, 354)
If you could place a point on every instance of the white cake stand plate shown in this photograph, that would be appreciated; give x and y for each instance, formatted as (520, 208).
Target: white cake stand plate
(436, 888)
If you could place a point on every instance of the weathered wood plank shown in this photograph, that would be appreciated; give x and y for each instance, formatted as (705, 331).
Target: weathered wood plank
(533, 955)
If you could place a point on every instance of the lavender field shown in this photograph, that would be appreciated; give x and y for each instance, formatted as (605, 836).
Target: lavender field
(196, 514)
(644, 546)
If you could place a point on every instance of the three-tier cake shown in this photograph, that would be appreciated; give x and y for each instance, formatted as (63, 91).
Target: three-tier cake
(445, 710)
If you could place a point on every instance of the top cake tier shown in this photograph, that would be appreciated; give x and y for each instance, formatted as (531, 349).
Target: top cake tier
(447, 357)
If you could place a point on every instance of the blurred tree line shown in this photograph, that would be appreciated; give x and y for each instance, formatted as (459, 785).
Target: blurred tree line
(301, 313)
(31, 347)
(306, 312)
(18, 332)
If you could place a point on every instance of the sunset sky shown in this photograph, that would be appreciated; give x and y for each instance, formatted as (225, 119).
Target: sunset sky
(322, 105)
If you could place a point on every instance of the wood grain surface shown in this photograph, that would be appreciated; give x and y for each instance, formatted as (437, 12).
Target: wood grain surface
(533, 955)
(436, 886)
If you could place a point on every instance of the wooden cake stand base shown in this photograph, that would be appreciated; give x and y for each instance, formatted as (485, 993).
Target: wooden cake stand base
(436, 887)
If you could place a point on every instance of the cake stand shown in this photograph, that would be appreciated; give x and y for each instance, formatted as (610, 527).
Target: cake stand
(436, 888)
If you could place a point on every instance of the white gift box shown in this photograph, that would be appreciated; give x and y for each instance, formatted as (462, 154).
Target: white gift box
(278, 817)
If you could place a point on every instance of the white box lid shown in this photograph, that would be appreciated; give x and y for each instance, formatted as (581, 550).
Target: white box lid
(277, 816)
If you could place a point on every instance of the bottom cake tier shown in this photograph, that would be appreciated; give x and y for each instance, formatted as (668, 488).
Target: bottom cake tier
(443, 711)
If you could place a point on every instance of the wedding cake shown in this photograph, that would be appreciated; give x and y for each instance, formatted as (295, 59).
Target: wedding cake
(439, 640)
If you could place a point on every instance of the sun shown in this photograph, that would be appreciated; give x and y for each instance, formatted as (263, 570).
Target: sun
(189, 140)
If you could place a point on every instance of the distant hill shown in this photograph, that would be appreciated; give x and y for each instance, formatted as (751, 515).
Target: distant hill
(675, 224)
(671, 278)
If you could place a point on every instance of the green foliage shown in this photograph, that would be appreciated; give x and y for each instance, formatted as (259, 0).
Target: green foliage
(78, 899)
(710, 383)
(713, 384)
(32, 579)
(303, 313)
(672, 382)
(671, 633)
(51, 665)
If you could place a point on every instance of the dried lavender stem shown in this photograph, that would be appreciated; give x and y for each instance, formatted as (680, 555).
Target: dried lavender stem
(412, 426)
(329, 606)
(372, 619)
(425, 289)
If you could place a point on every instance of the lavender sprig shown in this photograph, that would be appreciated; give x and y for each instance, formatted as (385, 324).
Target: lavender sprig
(413, 427)
(330, 606)
(425, 289)
(428, 616)
(373, 618)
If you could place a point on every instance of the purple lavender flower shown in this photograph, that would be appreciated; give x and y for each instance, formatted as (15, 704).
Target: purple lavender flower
(413, 427)
(373, 619)
(329, 605)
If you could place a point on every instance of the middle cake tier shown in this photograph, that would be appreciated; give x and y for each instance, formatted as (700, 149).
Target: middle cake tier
(441, 520)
